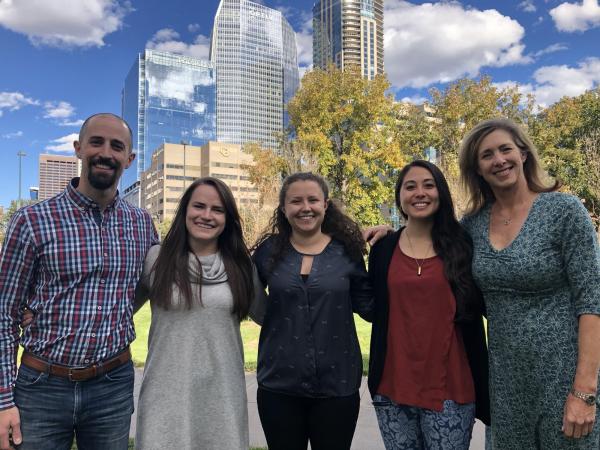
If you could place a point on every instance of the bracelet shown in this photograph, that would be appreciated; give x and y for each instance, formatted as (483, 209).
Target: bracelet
(589, 399)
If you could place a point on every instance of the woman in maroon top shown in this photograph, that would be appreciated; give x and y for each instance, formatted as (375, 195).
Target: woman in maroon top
(428, 365)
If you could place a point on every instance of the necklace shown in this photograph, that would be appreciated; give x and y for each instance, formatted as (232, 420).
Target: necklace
(419, 263)
(506, 221)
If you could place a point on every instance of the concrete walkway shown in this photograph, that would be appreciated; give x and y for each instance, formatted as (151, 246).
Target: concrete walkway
(367, 435)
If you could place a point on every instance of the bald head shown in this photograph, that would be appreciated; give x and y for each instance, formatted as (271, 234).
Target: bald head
(98, 116)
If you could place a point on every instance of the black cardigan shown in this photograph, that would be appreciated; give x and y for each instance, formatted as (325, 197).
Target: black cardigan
(473, 332)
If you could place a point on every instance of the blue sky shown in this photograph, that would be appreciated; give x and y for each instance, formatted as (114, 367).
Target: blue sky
(63, 60)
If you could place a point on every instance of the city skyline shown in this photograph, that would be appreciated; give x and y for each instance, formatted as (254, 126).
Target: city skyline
(59, 68)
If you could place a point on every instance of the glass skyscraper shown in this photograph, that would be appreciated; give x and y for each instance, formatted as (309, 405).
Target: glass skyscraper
(349, 32)
(253, 49)
(167, 98)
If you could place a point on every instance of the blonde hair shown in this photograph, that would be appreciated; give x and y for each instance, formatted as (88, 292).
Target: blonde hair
(478, 189)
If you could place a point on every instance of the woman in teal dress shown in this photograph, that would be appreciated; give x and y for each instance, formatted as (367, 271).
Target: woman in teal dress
(537, 262)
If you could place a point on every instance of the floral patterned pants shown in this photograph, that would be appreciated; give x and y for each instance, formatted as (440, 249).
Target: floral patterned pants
(410, 428)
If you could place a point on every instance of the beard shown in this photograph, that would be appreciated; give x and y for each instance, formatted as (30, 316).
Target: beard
(103, 181)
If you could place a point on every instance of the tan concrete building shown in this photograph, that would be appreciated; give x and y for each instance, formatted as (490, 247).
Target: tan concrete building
(176, 166)
(55, 172)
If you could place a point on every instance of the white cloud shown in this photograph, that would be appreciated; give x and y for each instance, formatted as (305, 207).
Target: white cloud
(304, 41)
(551, 49)
(193, 27)
(527, 6)
(303, 69)
(414, 99)
(14, 101)
(58, 110)
(471, 38)
(570, 17)
(61, 112)
(555, 82)
(167, 40)
(16, 134)
(551, 83)
(63, 144)
(67, 23)
(71, 123)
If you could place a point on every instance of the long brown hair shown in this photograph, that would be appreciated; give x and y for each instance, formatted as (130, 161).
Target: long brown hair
(172, 265)
(335, 223)
(478, 189)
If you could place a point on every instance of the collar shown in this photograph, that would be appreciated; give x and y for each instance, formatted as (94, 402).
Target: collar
(82, 201)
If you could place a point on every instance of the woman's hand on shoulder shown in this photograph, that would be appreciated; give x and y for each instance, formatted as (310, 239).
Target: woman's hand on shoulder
(373, 234)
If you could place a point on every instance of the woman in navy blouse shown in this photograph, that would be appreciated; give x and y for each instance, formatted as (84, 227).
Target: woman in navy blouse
(309, 359)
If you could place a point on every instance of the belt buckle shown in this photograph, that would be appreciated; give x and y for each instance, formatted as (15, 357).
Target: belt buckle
(71, 375)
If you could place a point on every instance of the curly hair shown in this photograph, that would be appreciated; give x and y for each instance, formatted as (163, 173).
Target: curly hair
(335, 223)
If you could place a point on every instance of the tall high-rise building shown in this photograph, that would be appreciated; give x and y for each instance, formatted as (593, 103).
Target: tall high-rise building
(167, 98)
(55, 172)
(349, 32)
(253, 49)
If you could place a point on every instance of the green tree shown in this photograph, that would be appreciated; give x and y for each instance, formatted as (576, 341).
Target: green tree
(265, 173)
(464, 103)
(7, 215)
(347, 124)
(568, 138)
(459, 107)
(163, 227)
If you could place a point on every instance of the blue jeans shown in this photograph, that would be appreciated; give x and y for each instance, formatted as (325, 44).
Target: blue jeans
(53, 410)
(405, 427)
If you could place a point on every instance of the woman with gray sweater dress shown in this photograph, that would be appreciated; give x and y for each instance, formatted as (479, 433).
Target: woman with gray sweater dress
(200, 285)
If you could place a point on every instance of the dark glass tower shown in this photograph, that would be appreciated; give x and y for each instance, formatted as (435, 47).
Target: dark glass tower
(167, 98)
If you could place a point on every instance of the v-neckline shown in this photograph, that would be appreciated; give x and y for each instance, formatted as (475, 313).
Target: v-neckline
(510, 244)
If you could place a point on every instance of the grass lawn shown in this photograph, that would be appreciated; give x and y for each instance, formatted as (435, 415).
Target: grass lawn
(139, 347)
(250, 332)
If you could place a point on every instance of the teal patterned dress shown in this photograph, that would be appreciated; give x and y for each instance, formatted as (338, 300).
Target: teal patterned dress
(534, 291)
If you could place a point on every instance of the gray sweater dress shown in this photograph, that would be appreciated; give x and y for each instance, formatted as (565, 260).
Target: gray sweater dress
(193, 394)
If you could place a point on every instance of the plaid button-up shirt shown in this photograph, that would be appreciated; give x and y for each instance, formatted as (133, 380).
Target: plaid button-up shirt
(76, 267)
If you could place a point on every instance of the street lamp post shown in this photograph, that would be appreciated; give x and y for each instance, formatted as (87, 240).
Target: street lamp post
(20, 154)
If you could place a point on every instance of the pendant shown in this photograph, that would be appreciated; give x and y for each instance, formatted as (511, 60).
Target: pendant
(418, 271)
(507, 222)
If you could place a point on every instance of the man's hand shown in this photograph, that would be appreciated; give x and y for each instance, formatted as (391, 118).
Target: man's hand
(10, 425)
(579, 418)
(373, 234)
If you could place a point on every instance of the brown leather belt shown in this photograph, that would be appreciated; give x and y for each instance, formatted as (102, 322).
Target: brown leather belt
(76, 374)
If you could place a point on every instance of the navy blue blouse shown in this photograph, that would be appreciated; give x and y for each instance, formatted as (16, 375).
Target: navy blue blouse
(308, 344)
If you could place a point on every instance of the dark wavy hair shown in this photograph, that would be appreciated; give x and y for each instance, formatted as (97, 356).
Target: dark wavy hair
(172, 265)
(335, 224)
(452, 244)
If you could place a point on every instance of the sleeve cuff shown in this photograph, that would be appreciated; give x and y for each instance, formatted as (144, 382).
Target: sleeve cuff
(6, 400)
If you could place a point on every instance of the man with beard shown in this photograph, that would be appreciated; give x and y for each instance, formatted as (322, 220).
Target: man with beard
(74, 261)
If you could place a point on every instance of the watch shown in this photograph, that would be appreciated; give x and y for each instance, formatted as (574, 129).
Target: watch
(589, 399)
